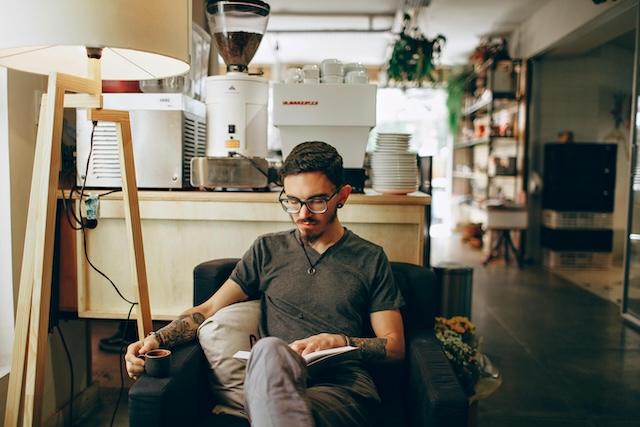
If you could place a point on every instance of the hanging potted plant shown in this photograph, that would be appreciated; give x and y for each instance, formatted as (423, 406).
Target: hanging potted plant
(413, 57)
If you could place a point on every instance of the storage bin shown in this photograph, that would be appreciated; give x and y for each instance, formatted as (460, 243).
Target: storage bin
(506, 219)
(583, 260)
(577, 220)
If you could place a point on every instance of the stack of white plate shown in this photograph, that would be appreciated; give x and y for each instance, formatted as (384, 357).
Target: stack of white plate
(394, 169)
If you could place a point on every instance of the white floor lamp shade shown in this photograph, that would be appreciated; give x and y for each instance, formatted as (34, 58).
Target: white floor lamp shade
(141, 39)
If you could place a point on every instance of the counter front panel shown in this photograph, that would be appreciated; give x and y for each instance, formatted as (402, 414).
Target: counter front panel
(183, 229)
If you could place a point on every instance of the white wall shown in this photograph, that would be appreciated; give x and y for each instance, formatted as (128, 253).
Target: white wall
(563, 19)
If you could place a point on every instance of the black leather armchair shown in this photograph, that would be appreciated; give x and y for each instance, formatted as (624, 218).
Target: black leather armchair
(423, 391)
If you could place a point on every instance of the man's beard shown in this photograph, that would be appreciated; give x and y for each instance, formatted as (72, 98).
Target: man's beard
(310, 238)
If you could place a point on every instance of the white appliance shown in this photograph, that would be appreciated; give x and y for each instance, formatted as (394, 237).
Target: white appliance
(237, 115)
(341, 115)
(167, 131)
(237, 102)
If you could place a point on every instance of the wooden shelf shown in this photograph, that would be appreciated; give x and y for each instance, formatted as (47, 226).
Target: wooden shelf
(467, 175)
(470, 143)
(477, 106)
(497, 101)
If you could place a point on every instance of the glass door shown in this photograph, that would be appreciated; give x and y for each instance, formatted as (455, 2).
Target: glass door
(631, 293)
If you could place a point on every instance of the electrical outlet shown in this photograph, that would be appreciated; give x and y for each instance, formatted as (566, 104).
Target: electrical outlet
(38, 101)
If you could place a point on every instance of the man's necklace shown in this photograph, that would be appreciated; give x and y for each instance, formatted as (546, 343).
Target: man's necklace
(312, 266)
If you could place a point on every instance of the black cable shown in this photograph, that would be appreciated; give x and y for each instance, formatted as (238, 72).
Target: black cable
(115, 410)
(86, 255)
(115, 190)
(66, 350)
(253, 163)
(79, 220)
(67, 209)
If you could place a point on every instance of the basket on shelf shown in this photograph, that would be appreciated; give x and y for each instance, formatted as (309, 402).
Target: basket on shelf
(577, 220)
(582, 260)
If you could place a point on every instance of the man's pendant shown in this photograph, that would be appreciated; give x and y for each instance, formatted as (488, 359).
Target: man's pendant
(311, 270)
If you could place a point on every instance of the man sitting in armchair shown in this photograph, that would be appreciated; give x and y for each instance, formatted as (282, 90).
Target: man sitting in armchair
(320, 286)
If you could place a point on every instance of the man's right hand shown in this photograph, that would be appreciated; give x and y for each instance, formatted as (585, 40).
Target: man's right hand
(135, 364)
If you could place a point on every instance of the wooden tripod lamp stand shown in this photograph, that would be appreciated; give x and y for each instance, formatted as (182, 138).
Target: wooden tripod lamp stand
(78, 43)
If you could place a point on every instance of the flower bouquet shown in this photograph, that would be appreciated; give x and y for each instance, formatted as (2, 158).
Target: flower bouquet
(457, 336)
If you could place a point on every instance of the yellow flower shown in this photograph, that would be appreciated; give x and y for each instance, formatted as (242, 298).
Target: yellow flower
(456, 336)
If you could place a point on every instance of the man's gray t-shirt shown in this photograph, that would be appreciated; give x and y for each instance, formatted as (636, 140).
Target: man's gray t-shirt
(352, 279)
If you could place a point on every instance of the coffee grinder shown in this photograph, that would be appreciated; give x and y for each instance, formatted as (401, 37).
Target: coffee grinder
(236, 102)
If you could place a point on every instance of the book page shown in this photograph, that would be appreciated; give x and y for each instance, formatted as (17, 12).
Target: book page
(311, 357)
(321, 354)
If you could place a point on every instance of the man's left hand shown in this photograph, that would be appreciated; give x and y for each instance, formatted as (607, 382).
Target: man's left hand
(317, 342)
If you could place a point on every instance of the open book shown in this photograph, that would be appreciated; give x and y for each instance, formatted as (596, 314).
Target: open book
(318, 359)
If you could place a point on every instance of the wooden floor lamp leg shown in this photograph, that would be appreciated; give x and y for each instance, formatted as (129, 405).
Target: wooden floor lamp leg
(134, 227)
(23, 314)
(43, 266)
(29, 354)
(132, 214)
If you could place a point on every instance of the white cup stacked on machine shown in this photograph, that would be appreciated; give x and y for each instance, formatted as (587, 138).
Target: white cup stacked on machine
(311, 73)
(394, 168)
(331, 71)
(355, 73)
(294, 75)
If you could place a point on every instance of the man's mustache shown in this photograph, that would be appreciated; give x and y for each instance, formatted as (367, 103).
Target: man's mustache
(307, 221)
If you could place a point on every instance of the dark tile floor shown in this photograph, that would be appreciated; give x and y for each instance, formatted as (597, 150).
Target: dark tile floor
(566, 357)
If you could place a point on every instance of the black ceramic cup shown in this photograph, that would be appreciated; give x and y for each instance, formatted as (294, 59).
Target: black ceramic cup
(158, 362)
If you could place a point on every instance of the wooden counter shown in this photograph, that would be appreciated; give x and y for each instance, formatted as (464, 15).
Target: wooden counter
(183, 228)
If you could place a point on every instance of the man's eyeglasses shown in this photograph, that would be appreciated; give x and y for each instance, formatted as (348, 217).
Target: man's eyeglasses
(316, 205)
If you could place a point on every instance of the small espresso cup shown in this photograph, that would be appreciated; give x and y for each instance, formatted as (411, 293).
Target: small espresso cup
(331, 67)
(311, 71)
(354, 66)
(293, 75)
(332, 79)
(356, 77)
(158, 362)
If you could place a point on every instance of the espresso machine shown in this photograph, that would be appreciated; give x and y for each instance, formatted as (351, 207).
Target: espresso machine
(341, 115)
(236, 102)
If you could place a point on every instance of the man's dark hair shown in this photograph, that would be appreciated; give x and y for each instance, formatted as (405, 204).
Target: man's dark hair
(314, 156)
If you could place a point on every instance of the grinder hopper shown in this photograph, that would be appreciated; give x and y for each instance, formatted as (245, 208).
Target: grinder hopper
(237, 28)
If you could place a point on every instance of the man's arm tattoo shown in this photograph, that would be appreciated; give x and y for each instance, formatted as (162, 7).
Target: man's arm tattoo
(181, 330)
(372, 349)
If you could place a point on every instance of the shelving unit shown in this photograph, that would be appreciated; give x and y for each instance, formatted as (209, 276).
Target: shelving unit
(489, 149)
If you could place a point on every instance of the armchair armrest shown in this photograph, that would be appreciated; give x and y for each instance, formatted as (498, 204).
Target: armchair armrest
(434, 397)
(180, 399)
